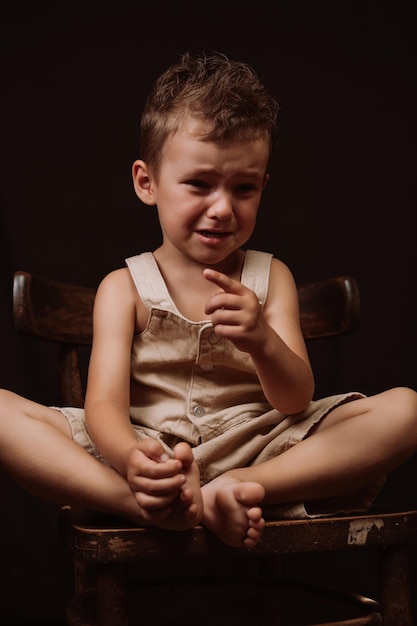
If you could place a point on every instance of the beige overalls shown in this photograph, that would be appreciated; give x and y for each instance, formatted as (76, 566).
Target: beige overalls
(188, 384)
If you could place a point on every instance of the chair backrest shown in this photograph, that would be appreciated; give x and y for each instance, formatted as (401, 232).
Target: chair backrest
(62, 313)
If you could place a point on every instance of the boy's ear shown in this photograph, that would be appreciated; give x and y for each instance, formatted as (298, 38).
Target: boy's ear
(265, 181)
(142, 182)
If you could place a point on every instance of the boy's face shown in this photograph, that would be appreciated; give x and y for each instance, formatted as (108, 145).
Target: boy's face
(207, 194)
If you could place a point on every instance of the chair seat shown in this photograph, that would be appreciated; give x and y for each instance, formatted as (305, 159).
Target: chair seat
(112, 544)
(105, 539)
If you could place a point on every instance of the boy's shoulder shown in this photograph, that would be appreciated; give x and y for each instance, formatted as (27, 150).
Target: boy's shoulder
(115, 283)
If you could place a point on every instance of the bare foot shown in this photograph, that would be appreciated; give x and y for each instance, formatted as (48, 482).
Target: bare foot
(230, 511)
(187, 509)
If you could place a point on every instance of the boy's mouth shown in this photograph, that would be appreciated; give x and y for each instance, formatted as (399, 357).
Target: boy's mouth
(212, 234)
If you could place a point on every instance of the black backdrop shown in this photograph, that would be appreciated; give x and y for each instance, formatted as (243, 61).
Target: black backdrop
(341, 199)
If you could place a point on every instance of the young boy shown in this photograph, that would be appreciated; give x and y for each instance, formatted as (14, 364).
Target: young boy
(199, 402)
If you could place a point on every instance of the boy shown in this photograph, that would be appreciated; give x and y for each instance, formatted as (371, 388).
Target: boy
(199, 401)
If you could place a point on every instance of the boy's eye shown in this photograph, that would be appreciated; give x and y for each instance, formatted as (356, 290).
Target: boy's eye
(200, 184)
(246, 188)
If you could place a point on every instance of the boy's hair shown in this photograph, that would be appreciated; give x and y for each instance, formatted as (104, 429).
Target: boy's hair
(226, 95)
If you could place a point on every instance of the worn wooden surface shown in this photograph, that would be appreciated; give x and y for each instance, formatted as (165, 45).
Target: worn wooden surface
(107, 540)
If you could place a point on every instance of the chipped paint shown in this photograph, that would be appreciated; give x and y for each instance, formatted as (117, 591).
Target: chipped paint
(359, 530)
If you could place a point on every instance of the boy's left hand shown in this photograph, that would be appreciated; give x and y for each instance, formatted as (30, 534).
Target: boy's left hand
(236, 313)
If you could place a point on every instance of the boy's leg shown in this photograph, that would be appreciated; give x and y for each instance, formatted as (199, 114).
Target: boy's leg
(37, 450)
(354, 445)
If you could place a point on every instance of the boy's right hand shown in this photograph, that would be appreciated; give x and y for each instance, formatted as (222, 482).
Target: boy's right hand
(154, 478)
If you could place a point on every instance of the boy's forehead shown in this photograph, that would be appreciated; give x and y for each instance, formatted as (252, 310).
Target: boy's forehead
(188, 148)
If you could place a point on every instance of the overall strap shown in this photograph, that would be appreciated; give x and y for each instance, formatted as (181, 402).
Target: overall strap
(255, 273)
(149, 282)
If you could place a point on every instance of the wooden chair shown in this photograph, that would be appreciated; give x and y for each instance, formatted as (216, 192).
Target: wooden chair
(105, 548)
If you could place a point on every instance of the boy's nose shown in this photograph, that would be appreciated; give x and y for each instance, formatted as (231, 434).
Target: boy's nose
(221, 209)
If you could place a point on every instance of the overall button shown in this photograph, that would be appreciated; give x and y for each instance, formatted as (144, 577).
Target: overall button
(213, 338)
(206, 367)
(198, 411)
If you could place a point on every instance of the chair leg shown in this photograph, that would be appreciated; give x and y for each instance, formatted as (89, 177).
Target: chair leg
(84, 576)
(271, 566)
(394, 568)
(112, 597)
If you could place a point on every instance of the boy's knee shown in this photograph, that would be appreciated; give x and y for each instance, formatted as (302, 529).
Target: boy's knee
(405, 400)
(404, 411)
(7, 401)
(6, 397)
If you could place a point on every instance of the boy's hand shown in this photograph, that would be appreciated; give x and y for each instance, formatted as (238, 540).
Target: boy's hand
(236, 312)
(154, 478)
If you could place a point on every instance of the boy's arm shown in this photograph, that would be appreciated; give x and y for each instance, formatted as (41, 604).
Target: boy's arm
(107, 397)
(271, 336)
(107, 403)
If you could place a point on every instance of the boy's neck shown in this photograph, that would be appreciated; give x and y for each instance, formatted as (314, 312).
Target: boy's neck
(187, 286)
(187, 267)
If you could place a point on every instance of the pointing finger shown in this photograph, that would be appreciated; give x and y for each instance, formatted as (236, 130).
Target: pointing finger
(221, 280)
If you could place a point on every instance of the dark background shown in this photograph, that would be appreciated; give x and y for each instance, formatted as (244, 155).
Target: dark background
(341, 200)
